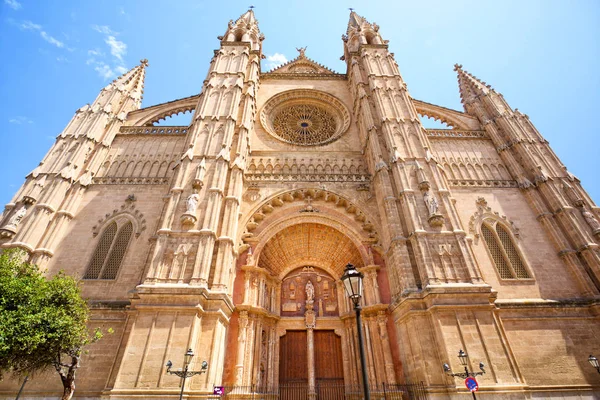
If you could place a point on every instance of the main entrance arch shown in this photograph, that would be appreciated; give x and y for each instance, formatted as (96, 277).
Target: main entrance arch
(294, 322)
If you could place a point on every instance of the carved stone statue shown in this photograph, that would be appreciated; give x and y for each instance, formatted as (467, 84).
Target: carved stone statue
(192, 203)
(17, 217)
(591, 220)
(310, 291)
(430, 202)
(301, 50)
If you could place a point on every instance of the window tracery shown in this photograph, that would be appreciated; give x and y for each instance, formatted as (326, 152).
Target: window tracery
(304, 124)
(305, 117)
(110, 250)
(504, 254)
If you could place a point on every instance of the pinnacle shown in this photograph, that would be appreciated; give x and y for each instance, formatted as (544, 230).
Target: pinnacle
(469, 85)
(132, 80)
(248, 17)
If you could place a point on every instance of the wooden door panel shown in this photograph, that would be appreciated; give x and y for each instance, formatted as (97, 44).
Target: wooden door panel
(328, 356)
(293, 360)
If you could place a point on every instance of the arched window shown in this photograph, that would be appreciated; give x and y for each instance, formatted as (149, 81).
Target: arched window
(505, 255)
(109, 253)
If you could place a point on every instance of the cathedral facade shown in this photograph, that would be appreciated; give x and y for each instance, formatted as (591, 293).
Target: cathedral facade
(229, 236)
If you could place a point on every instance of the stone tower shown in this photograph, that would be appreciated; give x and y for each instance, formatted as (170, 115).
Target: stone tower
(229, 236)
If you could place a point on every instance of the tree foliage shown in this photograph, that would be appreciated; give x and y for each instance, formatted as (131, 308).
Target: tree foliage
(42, 321)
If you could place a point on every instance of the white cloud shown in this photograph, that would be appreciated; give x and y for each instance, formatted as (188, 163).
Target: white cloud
(52, 40)
(30, 26)
(117, 48)
(274, 61)
(20, 120)
(120, 70)
(14, 4)
(118, 51)
(104, 29)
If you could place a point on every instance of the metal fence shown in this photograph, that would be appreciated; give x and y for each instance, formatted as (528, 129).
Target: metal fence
(326, 391)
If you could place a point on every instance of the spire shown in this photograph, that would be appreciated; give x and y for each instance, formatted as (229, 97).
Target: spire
(132, 81)
(360, 31)
(248, 17)
(470, 87)
(244, 29)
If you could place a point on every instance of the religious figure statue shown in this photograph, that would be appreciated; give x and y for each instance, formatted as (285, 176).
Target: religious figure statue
(250, 257)
(301, 50)
(590, 219)
(430, 202)
(17, 217)
(192, 203)
(310, 291)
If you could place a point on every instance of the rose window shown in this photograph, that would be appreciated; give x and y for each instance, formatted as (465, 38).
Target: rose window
(304, 124)
(305, 117)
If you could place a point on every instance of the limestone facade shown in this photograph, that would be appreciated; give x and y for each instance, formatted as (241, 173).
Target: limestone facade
(229, 234)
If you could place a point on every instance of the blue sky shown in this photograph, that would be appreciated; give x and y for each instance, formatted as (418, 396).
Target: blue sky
(544, 56)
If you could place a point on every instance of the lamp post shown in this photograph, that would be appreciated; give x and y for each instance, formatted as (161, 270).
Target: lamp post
(594, 361)
(353, 283)
(464, 358)
(184, 372)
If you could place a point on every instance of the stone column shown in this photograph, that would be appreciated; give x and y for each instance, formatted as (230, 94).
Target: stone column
(310, 320)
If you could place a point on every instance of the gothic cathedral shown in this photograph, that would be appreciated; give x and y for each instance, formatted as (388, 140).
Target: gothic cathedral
(229, 236)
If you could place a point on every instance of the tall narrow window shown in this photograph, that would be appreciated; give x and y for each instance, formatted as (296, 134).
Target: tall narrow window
(505, 255)
(109, 253)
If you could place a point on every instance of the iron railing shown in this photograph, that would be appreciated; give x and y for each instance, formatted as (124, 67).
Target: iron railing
(325, 391)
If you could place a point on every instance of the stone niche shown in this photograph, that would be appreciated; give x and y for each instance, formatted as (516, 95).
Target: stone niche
(294, 293)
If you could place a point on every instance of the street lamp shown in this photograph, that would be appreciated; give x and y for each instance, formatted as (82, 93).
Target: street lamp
(594, 361)
(353, 283)
(463, 358)
(185, 373)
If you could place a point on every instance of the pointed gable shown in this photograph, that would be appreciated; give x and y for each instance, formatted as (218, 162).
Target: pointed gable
(302, 66)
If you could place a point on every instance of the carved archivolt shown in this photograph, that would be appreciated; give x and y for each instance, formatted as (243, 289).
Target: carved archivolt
(485, 212)
(307, 196)
(305, 117)
(126, 210)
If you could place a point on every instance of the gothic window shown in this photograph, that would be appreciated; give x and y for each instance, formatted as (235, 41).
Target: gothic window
(505, 255)
(110, 250)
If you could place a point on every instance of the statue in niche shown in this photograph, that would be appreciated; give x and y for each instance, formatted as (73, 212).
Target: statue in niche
(17, 217)
(591, 220)
(310, 291)
(430, 202)
(192, 203)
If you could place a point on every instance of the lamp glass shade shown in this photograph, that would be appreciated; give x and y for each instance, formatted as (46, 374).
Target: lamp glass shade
(594, 361)
(187, 359)
(353, 283)
(462, 357)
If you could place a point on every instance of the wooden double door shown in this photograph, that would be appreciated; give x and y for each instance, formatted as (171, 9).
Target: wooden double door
(294, 366)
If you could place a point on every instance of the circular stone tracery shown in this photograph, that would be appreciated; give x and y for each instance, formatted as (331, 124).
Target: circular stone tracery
(304, 124)
(305, 117)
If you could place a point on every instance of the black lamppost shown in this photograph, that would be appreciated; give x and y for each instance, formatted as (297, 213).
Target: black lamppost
(353, 283)
(463, 358)
(594, 361)
(185, 373)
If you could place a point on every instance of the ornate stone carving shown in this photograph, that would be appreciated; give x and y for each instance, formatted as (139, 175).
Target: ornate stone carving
(591, 221)
(10, 228)
(483, 212)
(305, 117)
(304, 124)
(319, 287)
(128, 207)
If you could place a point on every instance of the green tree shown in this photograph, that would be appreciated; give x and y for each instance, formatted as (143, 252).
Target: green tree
(42, 321)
